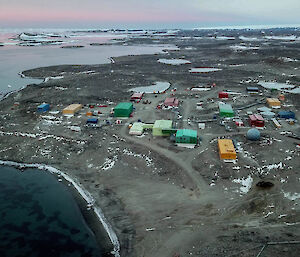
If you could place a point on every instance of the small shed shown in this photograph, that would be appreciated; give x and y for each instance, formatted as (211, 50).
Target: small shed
(273, 102)
(171, 101)
(286, 115)
(186, 136)
(43, 108)
(137, 129)
(72, 109)
(256, 120)
(225, 110)
(136, 97)
(226, 149)
(123, 110)
(162, 128)
(92, 121)
(223, 95)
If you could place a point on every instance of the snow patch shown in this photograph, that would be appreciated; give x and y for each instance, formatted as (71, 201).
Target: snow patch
(173, 61)
(245, 182)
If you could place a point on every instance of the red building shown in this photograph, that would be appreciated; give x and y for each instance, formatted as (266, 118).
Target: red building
(137, 97)
(172, 101)
(256, 120)
(223, 95)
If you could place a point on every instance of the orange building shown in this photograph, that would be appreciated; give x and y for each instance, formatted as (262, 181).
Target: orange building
(226, 149)
(273, 102)
(71, 109)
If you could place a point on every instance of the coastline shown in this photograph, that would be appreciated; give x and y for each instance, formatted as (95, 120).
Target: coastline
(6, 95)
(86, 196)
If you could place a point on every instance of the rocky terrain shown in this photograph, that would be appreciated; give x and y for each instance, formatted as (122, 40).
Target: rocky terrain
(161, 199)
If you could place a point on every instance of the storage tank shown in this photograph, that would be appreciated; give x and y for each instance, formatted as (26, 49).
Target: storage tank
(253, 134)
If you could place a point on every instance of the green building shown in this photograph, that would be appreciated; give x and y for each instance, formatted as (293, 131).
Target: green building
(163, 128)
(123, 110)
(225, 110)
(186, 136)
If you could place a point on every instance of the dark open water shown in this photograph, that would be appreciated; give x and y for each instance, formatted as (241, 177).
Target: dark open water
(40, 218)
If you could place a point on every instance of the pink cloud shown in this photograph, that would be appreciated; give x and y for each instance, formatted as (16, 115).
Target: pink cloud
(21, 14)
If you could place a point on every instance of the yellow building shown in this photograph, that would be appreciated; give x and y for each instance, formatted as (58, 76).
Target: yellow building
(226, 149)
(273, 102)
(71, 109)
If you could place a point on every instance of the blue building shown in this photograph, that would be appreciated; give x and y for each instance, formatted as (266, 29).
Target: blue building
(92, 121)
(43, 108)
(286, 115)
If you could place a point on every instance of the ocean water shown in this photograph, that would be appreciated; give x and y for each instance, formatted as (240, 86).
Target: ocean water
(16, 58)
(40, 218)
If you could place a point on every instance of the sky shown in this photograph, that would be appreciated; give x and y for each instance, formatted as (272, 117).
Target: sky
(146, 13)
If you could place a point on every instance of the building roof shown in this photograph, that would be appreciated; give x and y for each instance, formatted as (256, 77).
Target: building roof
(186, 132)
(73, 107)
(137, 95)
(252, 88)
(226, 146)
(224, 93)
(285, 112)
(124, 105)
(264, 109)
(273, 100)
(225, 107)
(171, 100)
(288, 114)
(137, 128)
(256, 117)
(163, 124)
(268, 114)
(43, 105)
(92, 120)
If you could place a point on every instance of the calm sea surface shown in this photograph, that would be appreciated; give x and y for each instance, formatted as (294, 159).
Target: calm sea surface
(39, 217)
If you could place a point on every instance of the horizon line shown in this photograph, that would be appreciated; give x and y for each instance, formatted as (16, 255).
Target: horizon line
(219, 27)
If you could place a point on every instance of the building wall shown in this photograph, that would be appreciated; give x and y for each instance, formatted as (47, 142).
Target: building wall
(273, 102)
(157, 132)
(123, 112)
(186, 139)
(226, 114)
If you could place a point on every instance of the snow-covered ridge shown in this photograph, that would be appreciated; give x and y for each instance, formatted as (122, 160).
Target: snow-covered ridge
(84, 194)
(41, 136)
